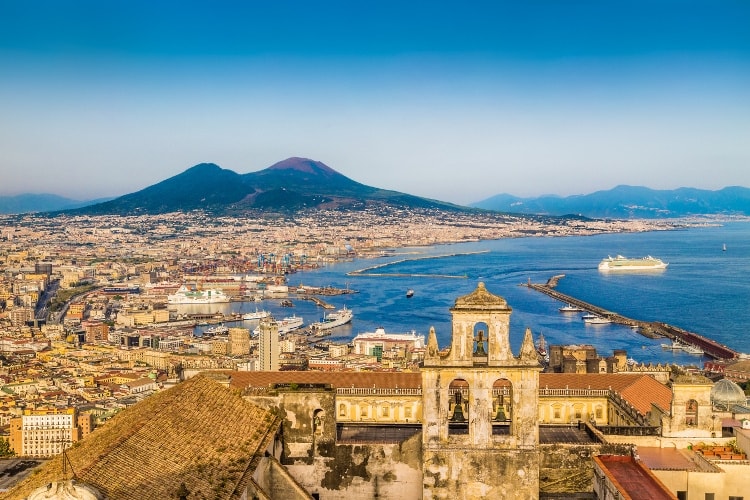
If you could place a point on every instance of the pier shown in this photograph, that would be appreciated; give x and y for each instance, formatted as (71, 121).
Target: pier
(648, 329)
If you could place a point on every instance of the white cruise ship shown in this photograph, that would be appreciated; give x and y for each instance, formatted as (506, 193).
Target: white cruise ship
(184, 295)
(621, 263)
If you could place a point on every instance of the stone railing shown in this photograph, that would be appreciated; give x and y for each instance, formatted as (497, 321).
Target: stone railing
(378, 391)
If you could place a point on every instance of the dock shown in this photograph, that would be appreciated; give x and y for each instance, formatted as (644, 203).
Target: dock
(652, 330)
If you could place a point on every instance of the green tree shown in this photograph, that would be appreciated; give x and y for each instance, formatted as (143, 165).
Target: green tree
(5, 450)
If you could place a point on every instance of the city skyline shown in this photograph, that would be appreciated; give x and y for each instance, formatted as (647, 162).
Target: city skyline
(450, 103)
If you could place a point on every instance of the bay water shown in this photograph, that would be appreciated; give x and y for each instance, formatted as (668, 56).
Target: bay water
(705, 289)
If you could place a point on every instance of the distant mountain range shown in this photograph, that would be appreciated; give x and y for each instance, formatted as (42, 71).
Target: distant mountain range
(299, 183)
(25, 203)
(287, 186)
(629, 202)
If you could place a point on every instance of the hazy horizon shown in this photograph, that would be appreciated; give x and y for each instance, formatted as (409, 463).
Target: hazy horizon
(456, 103)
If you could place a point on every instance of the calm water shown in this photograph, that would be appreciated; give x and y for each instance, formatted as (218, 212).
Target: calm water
(704, 289)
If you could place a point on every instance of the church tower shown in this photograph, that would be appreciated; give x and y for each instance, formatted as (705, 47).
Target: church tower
(480, 433)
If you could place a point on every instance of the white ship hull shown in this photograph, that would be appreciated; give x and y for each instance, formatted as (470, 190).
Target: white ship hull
(186, 296)
(286, 325)
(621, 263)
(332, 320)
(256, 315)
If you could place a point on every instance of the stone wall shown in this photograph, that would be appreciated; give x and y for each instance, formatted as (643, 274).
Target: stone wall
(470, 474)
(364, 471)
(569, 468)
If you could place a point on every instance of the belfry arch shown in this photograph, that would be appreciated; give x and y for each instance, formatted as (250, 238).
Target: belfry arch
(478, 398)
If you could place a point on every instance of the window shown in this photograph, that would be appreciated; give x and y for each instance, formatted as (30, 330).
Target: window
(736, 498)
(682, 495)
(598, 412)
(407, 412)
(691, 412)
(342, 410)
(385, 411)
(709, 496)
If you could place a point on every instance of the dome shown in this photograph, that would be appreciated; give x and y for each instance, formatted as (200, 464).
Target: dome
(726, 392)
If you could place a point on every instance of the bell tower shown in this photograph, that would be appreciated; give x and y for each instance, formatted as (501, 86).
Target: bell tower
(480, 433)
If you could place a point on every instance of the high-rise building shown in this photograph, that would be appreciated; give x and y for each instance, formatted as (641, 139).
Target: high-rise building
(239, 341)
(268, 344)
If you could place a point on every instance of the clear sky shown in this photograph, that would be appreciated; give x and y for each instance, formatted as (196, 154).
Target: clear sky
(456, 101)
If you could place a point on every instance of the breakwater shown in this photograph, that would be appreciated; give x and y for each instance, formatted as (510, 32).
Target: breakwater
(650, 329)
(368, 271)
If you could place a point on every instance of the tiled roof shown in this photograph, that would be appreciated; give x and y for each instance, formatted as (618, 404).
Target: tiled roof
(633, 478)
(638, 390)
(379, 380)
(196, 433)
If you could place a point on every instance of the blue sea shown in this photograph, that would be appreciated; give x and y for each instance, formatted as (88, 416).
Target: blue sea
(705, 289)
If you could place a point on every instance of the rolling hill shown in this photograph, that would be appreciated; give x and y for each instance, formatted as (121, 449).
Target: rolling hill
(629, 202)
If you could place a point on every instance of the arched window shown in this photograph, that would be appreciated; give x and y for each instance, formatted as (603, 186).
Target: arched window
(502, 406)
(458, 408)
(691, 412)
(481, 340)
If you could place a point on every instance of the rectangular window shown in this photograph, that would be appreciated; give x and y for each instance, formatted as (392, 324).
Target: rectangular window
(682, 495)
(736, 498)
(709, 496)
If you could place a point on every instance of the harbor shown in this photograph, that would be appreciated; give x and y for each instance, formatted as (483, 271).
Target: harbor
(650, 329)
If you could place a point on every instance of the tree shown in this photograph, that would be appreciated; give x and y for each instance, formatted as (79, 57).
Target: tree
(5, 449)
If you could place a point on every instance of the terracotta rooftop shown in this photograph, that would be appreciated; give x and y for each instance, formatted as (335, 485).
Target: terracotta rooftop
(673, 459)
(379, 380)
(633, 478)
(196, 433)
(638, 390)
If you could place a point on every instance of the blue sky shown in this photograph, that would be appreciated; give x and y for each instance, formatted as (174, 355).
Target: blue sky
(450, 100)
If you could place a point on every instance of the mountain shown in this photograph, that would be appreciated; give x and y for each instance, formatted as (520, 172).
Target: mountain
(629, 202)
(25, 203)
(289, 185)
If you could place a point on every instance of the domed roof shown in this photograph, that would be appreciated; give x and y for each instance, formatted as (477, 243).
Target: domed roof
(726, 392)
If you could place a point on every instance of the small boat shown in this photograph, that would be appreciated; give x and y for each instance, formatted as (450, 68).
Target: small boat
(691, 349)
(220, 329)
(287, 303)
(409, 293)
(588, 316)
(597, 320)
(675, 346)
(724, 247)
(570, 308)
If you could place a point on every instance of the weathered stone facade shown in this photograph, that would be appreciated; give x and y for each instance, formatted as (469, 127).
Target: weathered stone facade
(480, 433)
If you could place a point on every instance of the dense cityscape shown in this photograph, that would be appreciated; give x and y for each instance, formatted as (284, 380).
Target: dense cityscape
(90, 324)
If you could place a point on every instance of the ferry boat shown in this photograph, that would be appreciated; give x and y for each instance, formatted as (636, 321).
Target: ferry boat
(621, 263)
(220, 329)
(334, 319)
(256, 315)
(570, 308)
(286, 325)
(596, 320)
(185, 295)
